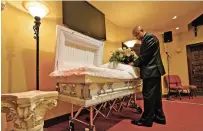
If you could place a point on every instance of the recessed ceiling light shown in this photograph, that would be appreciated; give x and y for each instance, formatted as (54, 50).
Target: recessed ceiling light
(175, 17)
(177, 28)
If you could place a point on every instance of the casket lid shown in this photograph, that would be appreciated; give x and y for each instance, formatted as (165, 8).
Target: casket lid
(74, 49)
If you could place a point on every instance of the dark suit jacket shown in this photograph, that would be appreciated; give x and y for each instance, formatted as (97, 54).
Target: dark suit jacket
(149, 60)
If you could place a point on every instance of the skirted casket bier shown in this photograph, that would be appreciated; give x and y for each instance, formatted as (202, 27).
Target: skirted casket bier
(80, 76)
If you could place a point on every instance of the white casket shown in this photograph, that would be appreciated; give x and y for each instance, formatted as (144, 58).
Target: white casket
(80, 76)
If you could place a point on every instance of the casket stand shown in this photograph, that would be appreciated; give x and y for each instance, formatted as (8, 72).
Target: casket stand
(80, 78)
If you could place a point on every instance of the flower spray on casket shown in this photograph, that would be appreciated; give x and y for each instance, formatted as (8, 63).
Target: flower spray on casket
(124, 56)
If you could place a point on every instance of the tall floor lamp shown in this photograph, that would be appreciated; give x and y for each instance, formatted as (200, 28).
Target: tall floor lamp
(38, 10)
(168, 97)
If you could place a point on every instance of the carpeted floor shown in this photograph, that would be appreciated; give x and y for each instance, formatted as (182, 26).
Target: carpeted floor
(184, 115)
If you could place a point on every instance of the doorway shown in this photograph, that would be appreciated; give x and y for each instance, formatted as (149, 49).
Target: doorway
(195, 65)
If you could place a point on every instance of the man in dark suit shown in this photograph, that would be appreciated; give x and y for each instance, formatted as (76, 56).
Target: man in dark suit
(151, 70)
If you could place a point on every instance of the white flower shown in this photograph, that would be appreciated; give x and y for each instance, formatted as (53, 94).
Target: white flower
(111, 52)
(120, 49)
(128, 54)
(121, 55)
(129, 49)
(135, 55)
(132, 52)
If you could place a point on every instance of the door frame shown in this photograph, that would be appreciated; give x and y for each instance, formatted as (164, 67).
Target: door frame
(189, 58)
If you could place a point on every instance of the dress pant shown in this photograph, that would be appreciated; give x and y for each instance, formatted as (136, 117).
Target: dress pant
(152, 93)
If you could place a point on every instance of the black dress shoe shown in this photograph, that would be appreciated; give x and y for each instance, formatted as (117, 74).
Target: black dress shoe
(159, 121)
(135, 106)
(142, 123)
(139, 110)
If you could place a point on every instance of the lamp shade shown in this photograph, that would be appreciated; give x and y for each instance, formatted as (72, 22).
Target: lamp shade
(2, 5)
(36, 8)
(130, 43)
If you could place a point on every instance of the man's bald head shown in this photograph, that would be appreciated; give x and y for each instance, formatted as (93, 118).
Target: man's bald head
(137, 29)
(138, 32)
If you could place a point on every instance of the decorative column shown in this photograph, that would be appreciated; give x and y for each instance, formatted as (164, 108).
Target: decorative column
(27, 109)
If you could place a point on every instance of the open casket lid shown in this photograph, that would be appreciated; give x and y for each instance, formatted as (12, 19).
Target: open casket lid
(74, 49)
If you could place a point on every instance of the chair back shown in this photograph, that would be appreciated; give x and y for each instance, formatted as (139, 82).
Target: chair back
(170, 80)
(178, 80)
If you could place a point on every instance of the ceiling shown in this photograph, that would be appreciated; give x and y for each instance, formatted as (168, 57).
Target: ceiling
(152, 15)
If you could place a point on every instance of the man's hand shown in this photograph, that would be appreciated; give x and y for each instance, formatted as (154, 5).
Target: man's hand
(131, 64)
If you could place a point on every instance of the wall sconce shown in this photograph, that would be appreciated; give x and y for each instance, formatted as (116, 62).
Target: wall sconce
(130, 43)
(38, 10)
(3, 4)
(178, 50)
